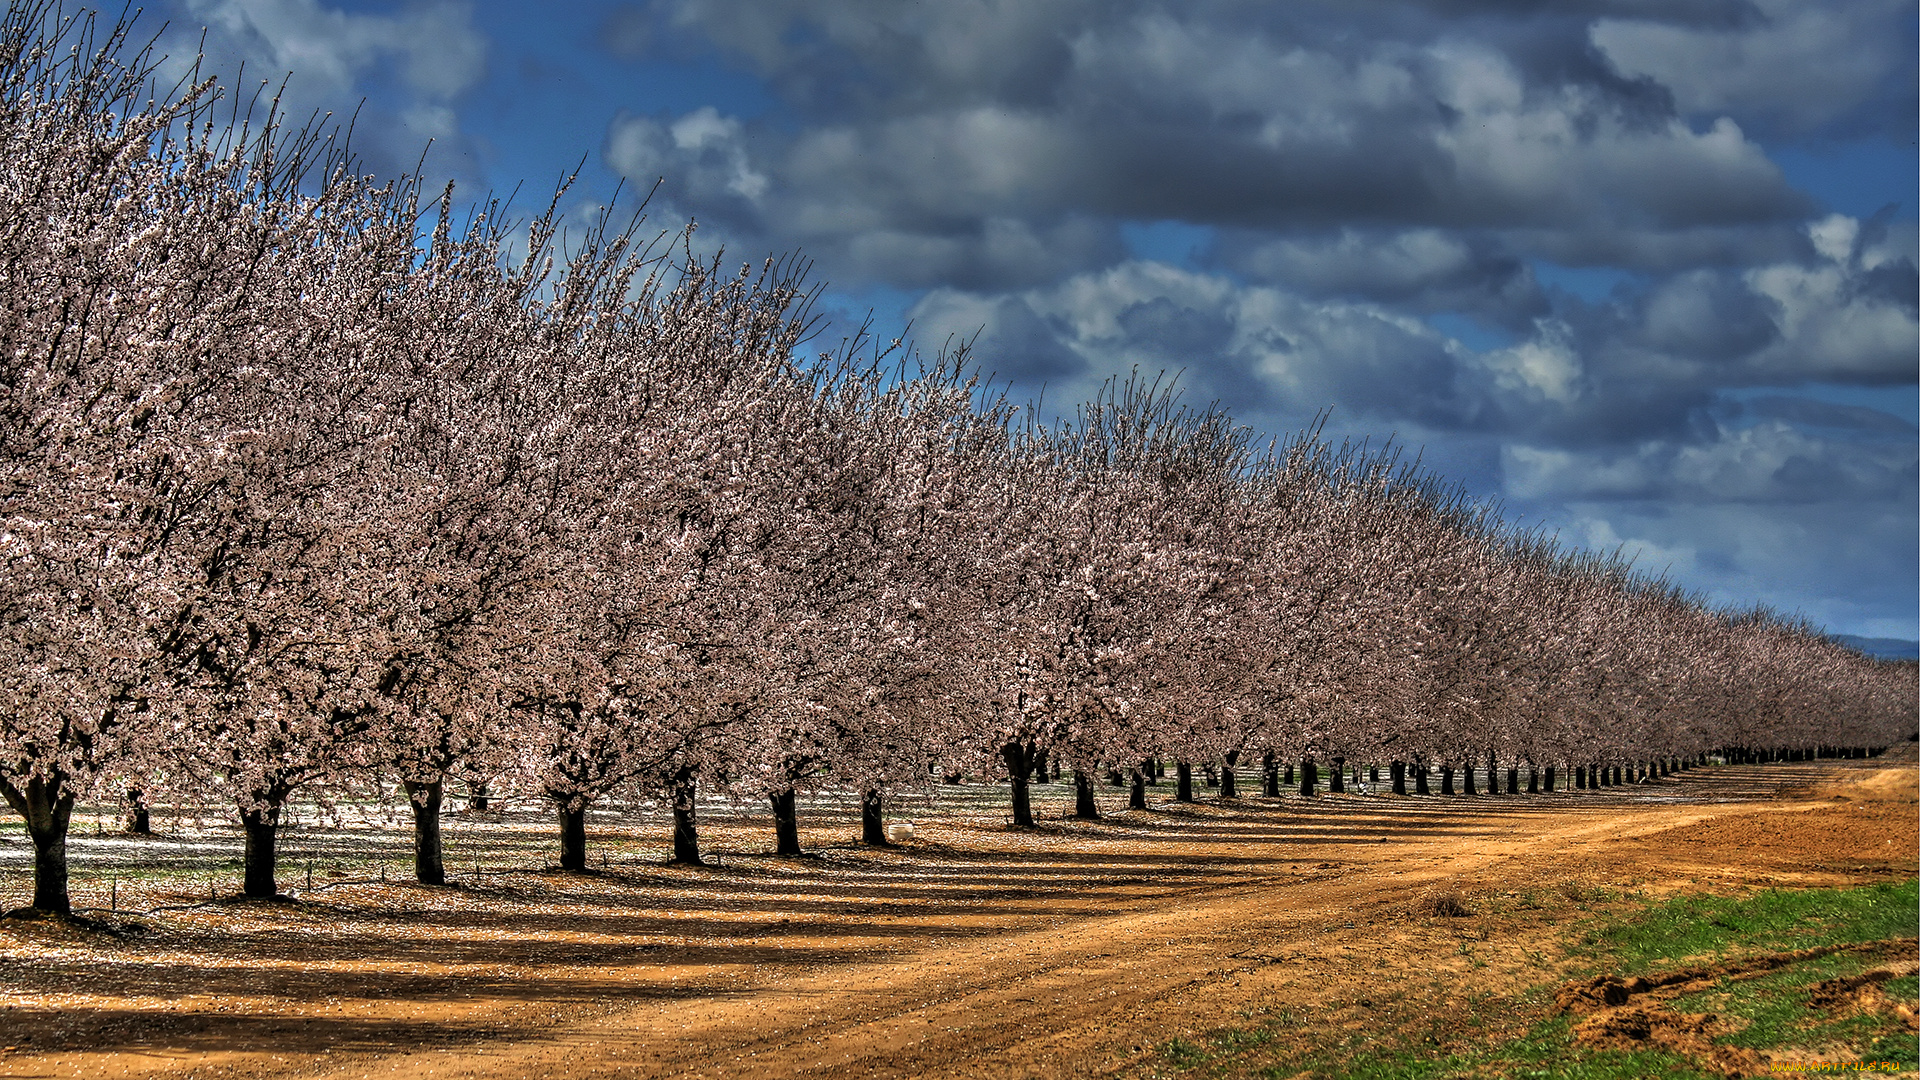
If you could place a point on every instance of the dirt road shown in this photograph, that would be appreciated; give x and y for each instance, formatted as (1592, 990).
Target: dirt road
(974, 952)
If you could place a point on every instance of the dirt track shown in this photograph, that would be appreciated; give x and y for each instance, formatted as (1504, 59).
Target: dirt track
(976, 952)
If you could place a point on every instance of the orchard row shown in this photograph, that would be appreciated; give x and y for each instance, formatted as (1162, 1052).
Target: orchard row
(307, 481)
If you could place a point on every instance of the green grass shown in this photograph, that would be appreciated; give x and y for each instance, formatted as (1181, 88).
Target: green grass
(1771, 1011)
(1776, 920)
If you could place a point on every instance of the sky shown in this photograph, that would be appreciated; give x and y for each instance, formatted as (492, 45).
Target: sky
(1643, 271)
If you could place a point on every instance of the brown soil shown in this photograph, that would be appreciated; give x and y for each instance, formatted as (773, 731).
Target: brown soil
(1628, 1014)
(974, 951)
(1608, 991)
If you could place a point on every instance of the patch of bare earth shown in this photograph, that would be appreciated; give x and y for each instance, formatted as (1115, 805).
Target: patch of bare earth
(974, 951)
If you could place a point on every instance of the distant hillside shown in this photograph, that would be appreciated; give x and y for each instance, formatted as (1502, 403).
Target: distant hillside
(1886, 648)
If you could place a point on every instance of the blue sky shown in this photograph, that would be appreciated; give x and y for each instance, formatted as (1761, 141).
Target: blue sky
(1644, 272)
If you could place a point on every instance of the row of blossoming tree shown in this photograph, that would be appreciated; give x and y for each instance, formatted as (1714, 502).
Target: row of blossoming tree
(312, 485)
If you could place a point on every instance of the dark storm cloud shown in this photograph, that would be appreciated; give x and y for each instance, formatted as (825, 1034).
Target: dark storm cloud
(1421, 270)
(950, 121)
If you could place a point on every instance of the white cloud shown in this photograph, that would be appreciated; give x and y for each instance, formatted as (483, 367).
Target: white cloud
(1800, 64)
(439, 52)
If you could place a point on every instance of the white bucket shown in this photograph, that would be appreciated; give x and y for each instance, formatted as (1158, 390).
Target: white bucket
(900, 832)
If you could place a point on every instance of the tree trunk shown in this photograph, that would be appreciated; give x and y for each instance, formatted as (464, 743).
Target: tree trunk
(573, 836)
(873, 819)
(1039, 770)
(1466, 777)
(1019, 766)
(1212, 778)
(1148, 772)
(1183, 782)
(1580, 778)
(262, 828)
(47, 807)
(139, 822)
(1397, 772)
(1309, 776)
(686, 827)
(1084, 807)
(1288, 778)
(1270, 776)
(1137, 796)
(429, 867)
(477, 796)
(786, 824)
(1446, 779)
(1420, 779)
(1229, 784)
(1533, 780)
(1373, 774)
(1513, 780)
(1548, 778)
(1337, 783)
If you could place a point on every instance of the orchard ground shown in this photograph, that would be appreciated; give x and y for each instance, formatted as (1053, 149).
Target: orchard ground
(1110, 948)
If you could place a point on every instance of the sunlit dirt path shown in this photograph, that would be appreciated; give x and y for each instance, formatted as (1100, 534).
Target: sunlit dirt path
(974, 952)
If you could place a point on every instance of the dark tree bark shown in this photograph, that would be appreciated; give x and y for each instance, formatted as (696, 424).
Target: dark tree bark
(1580, 778)
(1183, 781)
(1373, 774)
(1019, 761)
(1466, 787)
(477, 800)
(681, 792)
(1446, 779)
(1288, 778)
(1547, 779)
(873, 821)
(1533, 780)
(262, 827)
(1397, 772)
(1212, 777)
(1309, 776)
(429, 864)
(1513, 780)
(1084, 807)
(573, 836)
(1420, 779)
(1270, 776)
(1137, 796)
(786, 824)
(139, 821)
(1336, 783)
(1039, 772)
(47, 806)
(1149, 772)
(1229, 784)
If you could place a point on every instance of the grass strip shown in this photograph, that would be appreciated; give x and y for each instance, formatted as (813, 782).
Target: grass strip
(1809, 1011)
